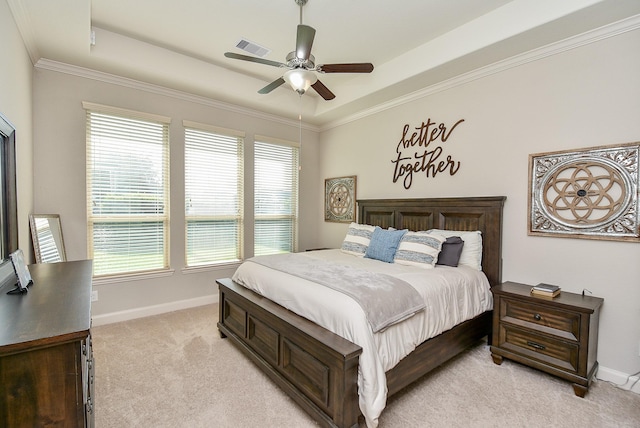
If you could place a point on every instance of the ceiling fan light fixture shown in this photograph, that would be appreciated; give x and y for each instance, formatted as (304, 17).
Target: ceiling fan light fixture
(300, 79)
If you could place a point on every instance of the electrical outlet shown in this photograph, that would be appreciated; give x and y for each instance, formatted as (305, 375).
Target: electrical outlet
(94, 296)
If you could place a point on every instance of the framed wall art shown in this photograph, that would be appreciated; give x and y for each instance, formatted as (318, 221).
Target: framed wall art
(340, 199)
(587, 193)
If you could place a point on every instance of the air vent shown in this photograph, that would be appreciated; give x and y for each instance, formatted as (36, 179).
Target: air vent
(251, 47)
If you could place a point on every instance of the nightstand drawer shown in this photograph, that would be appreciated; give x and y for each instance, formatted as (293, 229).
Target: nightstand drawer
(557, 353)
(538, 317)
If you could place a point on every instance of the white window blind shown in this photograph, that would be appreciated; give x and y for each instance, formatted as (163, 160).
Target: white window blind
(127, 190)
(214, 204)
(276, 197)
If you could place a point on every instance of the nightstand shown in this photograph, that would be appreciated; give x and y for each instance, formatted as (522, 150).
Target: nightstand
(558, 336)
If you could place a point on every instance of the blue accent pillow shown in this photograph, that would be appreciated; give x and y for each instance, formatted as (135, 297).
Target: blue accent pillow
(384, 244)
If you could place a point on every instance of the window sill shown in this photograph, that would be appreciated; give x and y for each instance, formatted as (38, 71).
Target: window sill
(208, 268)
(132, 277)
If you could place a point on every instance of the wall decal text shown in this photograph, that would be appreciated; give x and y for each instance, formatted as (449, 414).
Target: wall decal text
(422, 152)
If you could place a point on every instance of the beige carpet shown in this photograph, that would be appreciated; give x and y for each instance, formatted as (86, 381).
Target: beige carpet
(171, 370)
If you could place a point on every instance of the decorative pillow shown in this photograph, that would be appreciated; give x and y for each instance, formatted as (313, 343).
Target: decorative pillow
(357, 239)
(419, 249)
(451, 251)
(384, 244)
(471, 251)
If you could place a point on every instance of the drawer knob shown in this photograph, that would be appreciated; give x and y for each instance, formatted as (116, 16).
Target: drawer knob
(537, 317)
(536, 345)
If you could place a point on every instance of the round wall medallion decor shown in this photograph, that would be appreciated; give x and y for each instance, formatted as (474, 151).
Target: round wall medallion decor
(591, 193)
(585, 193)
(340, 199)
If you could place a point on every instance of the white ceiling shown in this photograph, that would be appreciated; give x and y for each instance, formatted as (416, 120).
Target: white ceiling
(413, 44)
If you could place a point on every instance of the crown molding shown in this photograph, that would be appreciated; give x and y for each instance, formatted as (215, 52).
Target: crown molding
(86, 73)
(611, 30)
(21, 18)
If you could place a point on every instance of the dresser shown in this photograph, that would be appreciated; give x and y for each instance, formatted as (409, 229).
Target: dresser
(556, 335)
(46, 364)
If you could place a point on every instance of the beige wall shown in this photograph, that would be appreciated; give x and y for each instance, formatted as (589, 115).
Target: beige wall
(584, 97)
(59, 177)
(16, 104)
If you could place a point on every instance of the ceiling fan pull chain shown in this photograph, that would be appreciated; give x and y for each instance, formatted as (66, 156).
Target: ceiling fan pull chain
(300, 135)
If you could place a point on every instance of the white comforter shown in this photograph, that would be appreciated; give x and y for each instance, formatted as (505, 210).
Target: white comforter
(452, 295)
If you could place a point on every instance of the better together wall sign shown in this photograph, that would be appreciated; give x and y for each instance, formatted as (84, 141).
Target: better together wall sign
(420, 151)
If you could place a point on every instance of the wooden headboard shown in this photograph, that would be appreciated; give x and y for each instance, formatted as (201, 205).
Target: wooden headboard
(474, 213)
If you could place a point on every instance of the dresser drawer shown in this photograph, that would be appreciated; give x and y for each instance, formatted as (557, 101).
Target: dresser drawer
(562, 323)
(545, 349)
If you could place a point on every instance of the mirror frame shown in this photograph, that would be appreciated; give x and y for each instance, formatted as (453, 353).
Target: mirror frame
(8, 199)
(36, 240)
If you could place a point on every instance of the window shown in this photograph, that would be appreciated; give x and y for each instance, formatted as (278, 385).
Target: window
(214, 174)
(127, 190)
(276, 196)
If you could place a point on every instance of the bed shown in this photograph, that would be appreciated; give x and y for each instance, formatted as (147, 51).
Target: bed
(319, 369)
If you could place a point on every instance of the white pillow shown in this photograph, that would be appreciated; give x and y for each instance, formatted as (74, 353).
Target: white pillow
(471, 251)
(357, 239)
(419, 249)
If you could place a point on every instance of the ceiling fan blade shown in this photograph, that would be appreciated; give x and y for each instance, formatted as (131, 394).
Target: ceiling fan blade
(361, 67)
(254, 59)
(271, 86)
(323, 91)
(304, 41)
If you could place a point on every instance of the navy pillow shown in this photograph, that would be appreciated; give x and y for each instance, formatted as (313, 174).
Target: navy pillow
(384, 244)
(450, 252)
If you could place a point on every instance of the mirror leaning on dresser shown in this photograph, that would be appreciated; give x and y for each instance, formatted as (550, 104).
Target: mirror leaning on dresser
(46, 234)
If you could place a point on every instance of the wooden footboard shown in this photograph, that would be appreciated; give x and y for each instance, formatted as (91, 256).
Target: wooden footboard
(314, 366)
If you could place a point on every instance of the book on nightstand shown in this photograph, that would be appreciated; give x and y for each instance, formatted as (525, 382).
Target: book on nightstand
(545, 290)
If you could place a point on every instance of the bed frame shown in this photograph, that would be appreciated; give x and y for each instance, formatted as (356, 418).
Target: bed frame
(317, 368)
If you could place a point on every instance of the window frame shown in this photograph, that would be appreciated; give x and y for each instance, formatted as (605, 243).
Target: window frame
(162, 219)
(295, 190)
(238, 217)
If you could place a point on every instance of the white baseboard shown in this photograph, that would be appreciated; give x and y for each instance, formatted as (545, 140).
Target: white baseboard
(621, 380)
(147, 311)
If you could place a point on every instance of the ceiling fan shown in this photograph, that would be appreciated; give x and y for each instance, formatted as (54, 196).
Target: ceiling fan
(301, 64)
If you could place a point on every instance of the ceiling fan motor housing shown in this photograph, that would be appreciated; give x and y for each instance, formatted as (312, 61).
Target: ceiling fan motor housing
(294, 62)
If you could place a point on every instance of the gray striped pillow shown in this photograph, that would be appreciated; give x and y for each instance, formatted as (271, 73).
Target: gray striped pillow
(419, 249)
(357, 239)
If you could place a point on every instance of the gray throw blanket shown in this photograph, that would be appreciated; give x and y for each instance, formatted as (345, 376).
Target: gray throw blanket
(385, 299)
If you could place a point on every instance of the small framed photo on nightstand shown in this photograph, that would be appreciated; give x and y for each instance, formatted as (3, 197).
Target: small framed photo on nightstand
(22, 272)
